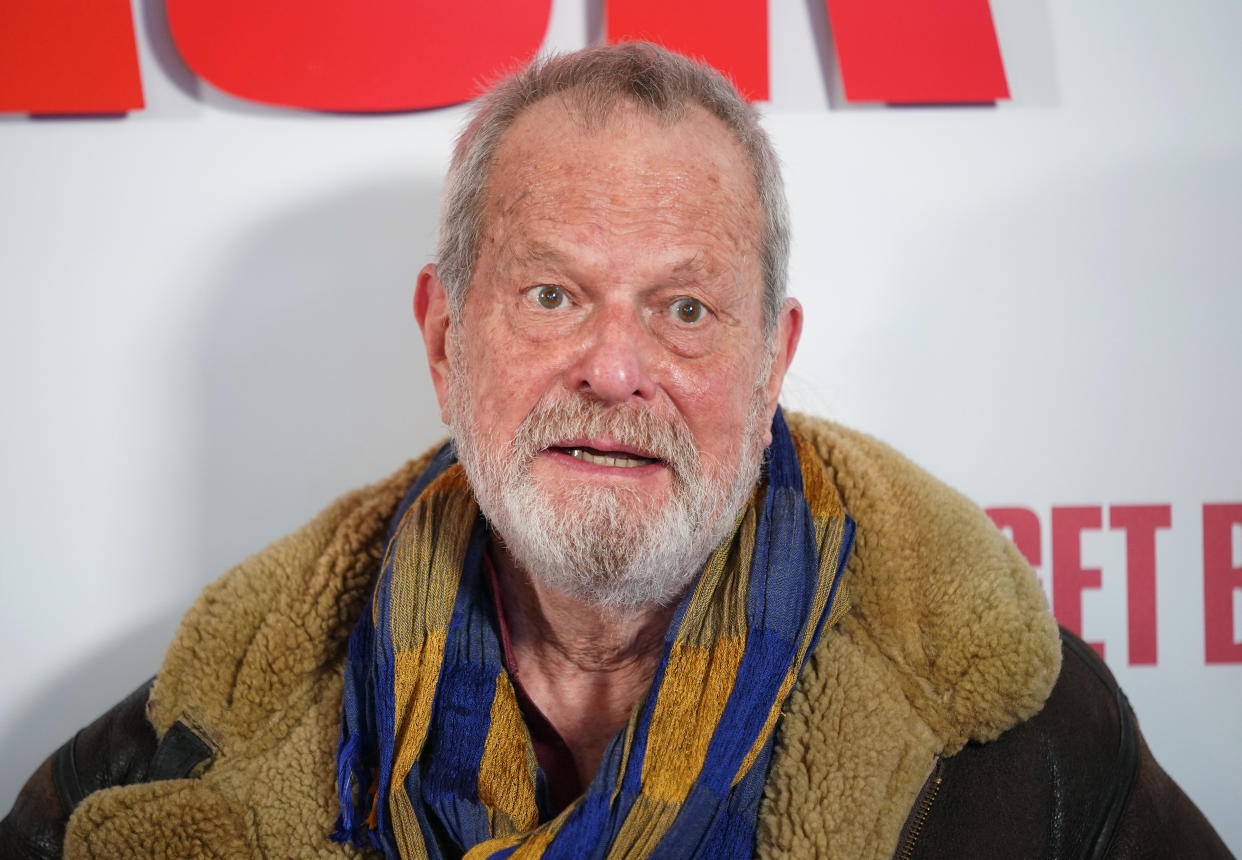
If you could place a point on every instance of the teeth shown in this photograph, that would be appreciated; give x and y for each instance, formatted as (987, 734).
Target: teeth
(603, 460)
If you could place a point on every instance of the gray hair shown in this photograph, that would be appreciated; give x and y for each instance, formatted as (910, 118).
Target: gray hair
(658, 81)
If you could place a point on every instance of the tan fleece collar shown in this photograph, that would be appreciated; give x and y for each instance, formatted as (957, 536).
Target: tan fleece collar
(949, 640)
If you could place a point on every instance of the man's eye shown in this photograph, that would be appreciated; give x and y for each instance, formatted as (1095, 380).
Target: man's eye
(549, 296)
(688, 310)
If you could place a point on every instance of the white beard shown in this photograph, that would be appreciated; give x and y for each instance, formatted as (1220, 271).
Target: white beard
(606, 546)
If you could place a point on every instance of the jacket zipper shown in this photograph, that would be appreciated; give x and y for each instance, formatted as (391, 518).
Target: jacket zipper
(922, 807)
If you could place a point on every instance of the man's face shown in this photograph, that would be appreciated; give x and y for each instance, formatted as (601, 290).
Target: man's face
(608, 384)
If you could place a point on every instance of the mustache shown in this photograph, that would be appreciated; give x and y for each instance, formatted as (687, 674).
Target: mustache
(553, 421)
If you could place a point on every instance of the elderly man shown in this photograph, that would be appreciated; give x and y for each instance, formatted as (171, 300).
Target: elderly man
(631, 609)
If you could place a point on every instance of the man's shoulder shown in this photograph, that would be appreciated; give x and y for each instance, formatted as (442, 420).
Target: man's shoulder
(252, 681)
(938, 592)
(271, 624)
(951, 663)
(1076, 779)
(948, 641)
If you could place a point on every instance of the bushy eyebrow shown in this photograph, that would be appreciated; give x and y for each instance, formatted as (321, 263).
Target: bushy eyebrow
(538, 252)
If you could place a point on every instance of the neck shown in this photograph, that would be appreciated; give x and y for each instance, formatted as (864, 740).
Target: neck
(584, 666)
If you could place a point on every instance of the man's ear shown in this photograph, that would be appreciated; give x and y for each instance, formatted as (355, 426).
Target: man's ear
(784, 344)
(431, 309)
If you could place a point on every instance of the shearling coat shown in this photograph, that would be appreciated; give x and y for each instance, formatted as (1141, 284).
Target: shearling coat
(889, 745)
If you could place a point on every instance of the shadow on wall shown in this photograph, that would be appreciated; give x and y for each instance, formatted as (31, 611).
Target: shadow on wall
(76, 697)
(312, 369)
(311, 381)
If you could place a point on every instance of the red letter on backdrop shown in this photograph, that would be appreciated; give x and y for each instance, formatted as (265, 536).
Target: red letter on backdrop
(1023, 524)
(731, 35)
(913, 51)
(1140, 523)
(1221, 578)
(68, 56)
(1069, 577)
(371, 55)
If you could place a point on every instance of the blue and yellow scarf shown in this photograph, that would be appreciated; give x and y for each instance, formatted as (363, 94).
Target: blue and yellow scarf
(435, 760)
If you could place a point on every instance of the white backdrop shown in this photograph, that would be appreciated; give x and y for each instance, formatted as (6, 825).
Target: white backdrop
(206, 333)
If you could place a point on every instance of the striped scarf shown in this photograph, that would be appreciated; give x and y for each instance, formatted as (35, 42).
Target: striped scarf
(435, 760)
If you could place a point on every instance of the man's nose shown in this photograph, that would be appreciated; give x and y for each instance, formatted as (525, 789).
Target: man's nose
(616, 357)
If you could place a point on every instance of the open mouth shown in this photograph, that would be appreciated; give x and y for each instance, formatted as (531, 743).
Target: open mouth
(619, 459)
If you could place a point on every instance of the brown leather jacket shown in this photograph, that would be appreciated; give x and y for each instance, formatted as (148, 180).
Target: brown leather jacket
(1076, 780)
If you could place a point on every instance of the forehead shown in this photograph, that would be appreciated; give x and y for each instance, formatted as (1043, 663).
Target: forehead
(687, 174)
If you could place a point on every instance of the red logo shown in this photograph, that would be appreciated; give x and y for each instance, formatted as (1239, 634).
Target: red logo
(79, 56)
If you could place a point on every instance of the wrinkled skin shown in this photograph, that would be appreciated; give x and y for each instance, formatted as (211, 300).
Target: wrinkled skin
(622, 264)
